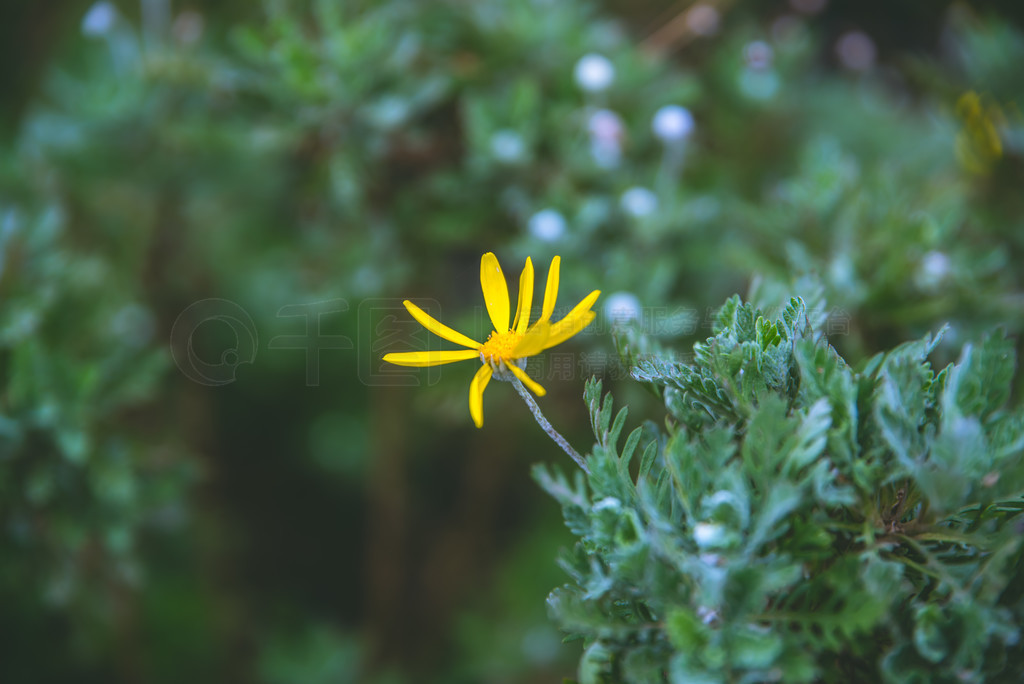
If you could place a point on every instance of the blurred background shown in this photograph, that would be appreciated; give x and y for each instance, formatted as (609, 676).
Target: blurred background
(211, 211)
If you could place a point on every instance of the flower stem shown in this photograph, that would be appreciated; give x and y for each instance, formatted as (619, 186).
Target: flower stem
(543, 422)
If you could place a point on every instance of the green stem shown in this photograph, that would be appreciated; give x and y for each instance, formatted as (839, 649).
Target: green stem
(543, 422)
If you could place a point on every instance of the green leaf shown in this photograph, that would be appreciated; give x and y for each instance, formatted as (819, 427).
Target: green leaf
(685, 630)
(928, 634)
(755, 648)
(979, 384)
(647, 461)
(596, 664)
(770, 522)
(901, 399)
(630, 448)
(808, 441)
(612, 437)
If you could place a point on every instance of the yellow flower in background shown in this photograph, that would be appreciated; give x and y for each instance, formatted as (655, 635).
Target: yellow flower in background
(508, 346)
(978, 144)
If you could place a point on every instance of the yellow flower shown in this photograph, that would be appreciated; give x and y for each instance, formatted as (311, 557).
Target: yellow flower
(978, 145)
(507, 347)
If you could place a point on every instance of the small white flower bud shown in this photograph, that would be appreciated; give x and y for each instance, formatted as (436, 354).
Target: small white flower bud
(547, 225)
(622, 307)
(672, 123)
(99, 19)
(594, 73)
(605, 125)
(507, 146)
(607, 155)
(639, 202)
(608, 502)
(707, 534)
(758, 55)
(933, 270)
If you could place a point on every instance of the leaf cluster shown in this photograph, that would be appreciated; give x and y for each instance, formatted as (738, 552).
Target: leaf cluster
(798, 519)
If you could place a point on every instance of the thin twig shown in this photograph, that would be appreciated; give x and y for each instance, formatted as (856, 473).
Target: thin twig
(543, 422)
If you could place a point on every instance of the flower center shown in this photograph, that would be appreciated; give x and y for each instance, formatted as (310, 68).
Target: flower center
(499, 347)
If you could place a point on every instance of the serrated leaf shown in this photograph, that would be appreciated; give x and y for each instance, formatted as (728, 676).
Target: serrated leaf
(767, 334)
(592, 398)
(605, 417)
(596, 664)
(647, 461)
(629, 448)
(824, 375)
(901, 398)
(808, 442)
(794, 318)
(780, 501)
(979, 383)
(612, 438)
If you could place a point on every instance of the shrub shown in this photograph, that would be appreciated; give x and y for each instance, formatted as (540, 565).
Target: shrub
(799, 519)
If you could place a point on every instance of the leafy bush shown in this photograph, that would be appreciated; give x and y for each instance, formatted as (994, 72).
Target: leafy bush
(281, 155)
(798, 519)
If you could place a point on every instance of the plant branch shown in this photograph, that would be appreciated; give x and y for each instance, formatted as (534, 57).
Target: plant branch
(543, 422)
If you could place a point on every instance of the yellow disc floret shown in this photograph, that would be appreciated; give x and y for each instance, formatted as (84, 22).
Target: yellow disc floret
(500, 347)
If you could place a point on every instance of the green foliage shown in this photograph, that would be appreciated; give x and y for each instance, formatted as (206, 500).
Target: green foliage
(277, 154)
(78, 489)
(798, 519)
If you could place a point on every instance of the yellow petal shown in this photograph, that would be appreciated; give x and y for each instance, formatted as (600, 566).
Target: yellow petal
(566, 331)
(534, 341)
(525, 298)
(575, 321)
(430, 358)
(551, 290)
(528, 381)
(476, 394)
(438, 328)
(492, 282)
